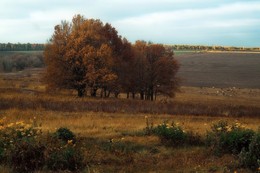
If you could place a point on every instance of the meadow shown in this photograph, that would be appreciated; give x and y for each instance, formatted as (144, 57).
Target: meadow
(114, 131)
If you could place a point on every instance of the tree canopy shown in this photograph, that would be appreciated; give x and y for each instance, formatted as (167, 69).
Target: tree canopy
(88, 55)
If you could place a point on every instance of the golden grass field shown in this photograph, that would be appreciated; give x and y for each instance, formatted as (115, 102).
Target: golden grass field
(98, 121)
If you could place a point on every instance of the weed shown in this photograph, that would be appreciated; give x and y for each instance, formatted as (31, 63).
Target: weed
(26, 156)
(24, 147)
(251, 158)
(174, 135)
(226, 138)
(65, 134)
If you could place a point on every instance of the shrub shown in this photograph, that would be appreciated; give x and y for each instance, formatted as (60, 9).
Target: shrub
(26, 149)
(172, 134)
(26, 156)
(229, 139)
(19, 146)
(251, 158)
(65, 134)
(61, 155)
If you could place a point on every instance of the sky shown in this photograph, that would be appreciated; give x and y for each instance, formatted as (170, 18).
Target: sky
(195, 22)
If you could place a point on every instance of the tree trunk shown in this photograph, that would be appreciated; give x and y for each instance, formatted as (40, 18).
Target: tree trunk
(151, 93)
(94, 92)
(81, 92)
(133, 95)
(142, 95)
(101, 93)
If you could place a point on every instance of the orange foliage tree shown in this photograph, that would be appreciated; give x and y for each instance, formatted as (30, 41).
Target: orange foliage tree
(87, 55)
(154, 71)
(81, 55)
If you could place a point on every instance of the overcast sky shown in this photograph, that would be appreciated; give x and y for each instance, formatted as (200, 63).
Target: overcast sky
(200, 22)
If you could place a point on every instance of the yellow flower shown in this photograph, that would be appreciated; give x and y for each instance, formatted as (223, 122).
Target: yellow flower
(10, 124)
(27, 126)
(19, 123)
(219, 128)
(70, 142)
(229, 129)
(237, 124)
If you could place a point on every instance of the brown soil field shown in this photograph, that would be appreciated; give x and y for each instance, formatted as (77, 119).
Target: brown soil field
(215, 69)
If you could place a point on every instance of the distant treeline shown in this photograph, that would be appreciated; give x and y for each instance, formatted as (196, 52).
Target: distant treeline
(211, 48)
(17, 61)
(40, 47)
(21, 47)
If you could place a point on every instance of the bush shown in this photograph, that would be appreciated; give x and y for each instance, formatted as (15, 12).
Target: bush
(175, 135)
(26, 149)
(170, 134)
(65, 134)
(229, 139)
(19, 146)
(251, 158)
(26, 156)
(61, 155)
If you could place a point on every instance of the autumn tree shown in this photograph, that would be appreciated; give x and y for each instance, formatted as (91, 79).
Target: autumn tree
(82, 55)
(155, 70)
(87, 55)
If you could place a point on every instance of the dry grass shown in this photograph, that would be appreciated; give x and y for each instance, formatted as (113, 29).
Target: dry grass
(132, 151)
(182, 105)
(116, 125)
(97, 121)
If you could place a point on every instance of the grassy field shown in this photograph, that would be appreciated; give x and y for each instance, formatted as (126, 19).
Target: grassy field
(184, 52)
(99, 121)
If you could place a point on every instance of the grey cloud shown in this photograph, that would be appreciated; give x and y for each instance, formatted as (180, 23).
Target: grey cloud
(165, 21)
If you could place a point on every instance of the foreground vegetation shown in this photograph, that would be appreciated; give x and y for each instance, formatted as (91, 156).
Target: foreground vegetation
(183, 134)
(101, 146)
